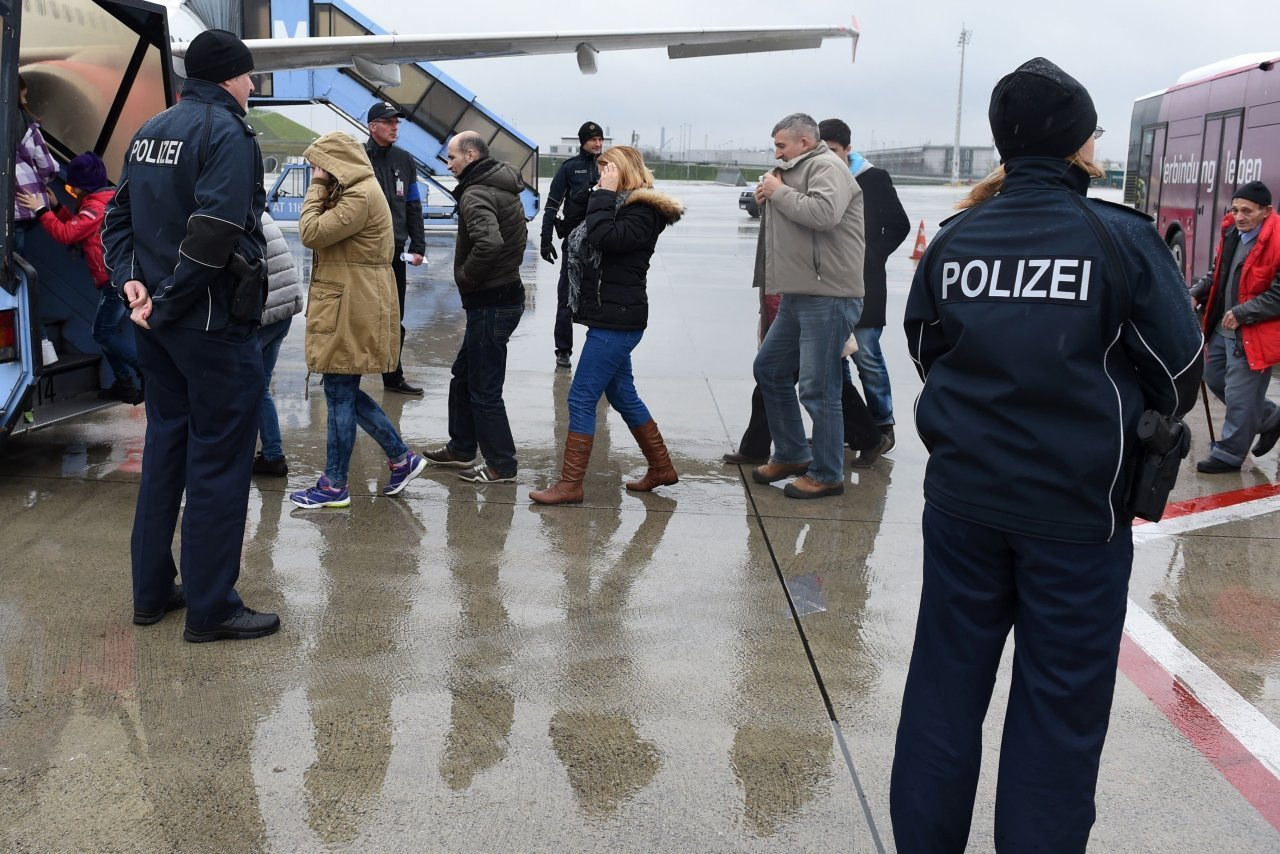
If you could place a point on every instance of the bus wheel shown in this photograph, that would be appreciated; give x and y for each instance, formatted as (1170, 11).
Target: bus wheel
(1178, 246)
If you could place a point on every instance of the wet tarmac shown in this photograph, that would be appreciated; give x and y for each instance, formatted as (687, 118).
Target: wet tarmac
(710, 667)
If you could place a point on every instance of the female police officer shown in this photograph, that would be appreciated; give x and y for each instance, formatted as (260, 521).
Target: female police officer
(1043, 324)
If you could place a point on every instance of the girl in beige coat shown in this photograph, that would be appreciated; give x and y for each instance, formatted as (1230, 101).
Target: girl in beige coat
(353, 317)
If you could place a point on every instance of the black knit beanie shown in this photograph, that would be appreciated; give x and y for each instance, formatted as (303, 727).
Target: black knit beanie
(1040, 110)
(589, 130)
(216, 56)
(1254, 191)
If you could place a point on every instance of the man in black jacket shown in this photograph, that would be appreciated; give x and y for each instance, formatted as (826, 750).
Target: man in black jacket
(492, 234)
(571, 187)
(190, 202)
(397, 174)
(886, 227)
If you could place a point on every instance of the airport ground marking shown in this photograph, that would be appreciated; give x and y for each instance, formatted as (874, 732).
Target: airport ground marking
(1237, 739)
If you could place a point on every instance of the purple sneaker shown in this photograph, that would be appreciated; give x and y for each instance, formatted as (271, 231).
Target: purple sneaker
(403, 473)
(321, 495)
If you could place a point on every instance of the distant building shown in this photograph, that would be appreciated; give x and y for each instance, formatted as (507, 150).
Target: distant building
(933, 162)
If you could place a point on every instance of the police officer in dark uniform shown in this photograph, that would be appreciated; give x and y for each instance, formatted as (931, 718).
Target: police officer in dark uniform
(570, 188)
(1043, 324)
(183, 240)
(397, 174)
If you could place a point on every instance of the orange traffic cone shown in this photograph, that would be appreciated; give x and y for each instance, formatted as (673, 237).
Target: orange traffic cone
(918, 252)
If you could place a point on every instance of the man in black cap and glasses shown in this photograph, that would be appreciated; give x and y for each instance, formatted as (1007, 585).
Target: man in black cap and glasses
(397, 174)
(570, 187)
(183, 241)
(1242, 327)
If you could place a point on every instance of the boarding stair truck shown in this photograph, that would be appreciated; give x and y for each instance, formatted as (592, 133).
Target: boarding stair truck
(435, 105)
(95, 71)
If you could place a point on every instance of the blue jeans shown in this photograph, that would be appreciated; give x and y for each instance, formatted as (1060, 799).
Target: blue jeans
(116, 344)
(806, 339)
(477, 413)
(349, 406)
(874, 374)
(1244, 392)
(269, 340)
(604, 367)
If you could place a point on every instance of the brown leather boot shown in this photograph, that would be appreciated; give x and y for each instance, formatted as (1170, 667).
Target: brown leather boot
(661, 472)
(568, 490)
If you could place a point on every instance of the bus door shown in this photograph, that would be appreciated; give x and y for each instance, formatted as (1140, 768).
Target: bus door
(1217, 171)
(1151, 156)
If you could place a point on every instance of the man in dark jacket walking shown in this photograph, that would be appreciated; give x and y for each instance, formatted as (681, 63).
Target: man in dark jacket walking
(886, 227)
(189, 202)
(492, 234)
(570, 189)
(397, 174)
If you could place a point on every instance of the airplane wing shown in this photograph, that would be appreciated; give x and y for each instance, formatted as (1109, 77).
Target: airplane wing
(288, 54)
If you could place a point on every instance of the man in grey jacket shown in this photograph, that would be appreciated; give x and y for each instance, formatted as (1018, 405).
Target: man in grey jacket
(810, 251)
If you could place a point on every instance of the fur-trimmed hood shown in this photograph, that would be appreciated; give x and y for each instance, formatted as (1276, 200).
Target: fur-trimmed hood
(670, 207)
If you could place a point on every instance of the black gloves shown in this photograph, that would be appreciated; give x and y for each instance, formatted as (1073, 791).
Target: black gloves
(548, 252)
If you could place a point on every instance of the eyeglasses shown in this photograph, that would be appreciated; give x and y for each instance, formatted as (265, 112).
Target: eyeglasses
(1098, 132)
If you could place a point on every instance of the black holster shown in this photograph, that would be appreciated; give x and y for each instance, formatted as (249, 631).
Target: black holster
(1165, 443)
(248, 289)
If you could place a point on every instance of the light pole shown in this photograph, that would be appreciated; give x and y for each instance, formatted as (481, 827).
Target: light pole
(965, 37)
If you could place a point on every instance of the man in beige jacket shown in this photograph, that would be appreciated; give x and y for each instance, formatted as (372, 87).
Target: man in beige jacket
(810, 252)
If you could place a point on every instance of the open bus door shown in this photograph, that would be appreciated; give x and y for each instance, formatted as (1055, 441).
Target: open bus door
(95, 71)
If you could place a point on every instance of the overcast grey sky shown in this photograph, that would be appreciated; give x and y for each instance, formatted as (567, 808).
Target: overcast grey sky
(900, 91)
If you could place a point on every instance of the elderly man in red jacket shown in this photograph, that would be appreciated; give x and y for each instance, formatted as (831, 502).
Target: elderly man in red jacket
(87, 183)
(1241, 293)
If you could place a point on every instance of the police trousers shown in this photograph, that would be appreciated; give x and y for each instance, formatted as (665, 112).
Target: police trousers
(1065, 603)
(203, 394)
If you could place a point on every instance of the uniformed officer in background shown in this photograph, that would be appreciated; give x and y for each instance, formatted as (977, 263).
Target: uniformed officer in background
(397, 174)
(570, 190)
(1045, 324)
(184, 244)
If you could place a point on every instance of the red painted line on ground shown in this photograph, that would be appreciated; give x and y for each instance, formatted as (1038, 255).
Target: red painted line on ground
(1214, 502)
(1241, 768)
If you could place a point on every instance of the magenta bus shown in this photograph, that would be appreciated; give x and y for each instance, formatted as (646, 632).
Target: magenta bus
(1190, 145)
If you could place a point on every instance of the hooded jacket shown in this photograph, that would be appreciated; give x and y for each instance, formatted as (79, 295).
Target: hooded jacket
(626, 237)
(83, 227)
(1043, 325)
(353, 316)
(811, 231)
(492, 235)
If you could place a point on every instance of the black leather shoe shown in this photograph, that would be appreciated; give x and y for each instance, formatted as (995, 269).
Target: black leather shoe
(1266, 441)
(1213, 465)
(867, 458)
(177, 599)
(402, 387)
(274, 468)
(739, 459)
(247, 624)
